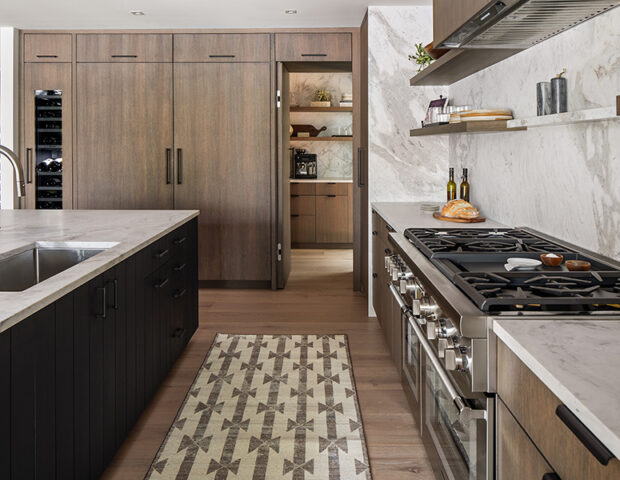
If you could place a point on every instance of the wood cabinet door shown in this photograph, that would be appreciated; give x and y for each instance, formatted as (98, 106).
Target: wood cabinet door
(332, 219)
(449, 16)
(124, 136)
(47, 47)
(222, 115)
(313, 47)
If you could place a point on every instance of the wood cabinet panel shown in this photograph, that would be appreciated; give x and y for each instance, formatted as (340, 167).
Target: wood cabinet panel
(222, 47)
(313, 47)
(517, 456)
(47, 47)
(351, 219)
(303, 229)
(124, 136)
(303, 205)
(332, 188)
(222, 134)
(298, 188)
(117, 47)
(5, 404)
(332, 217)
(520, 389)
(449, 16)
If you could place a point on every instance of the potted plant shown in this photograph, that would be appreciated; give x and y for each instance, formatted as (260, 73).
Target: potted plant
(322, 98)
(421, 57)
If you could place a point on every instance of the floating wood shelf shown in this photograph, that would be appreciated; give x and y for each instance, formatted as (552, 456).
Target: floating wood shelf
(567, 118)
(321, 109)
(465, 127)
(321, 139)
(458, 64)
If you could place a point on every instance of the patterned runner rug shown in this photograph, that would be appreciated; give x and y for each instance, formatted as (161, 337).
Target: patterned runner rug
(269, 407)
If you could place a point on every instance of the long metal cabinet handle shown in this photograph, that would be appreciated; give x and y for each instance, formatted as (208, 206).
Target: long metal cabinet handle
(29, 165)
(168, 166)
(179, 166)
(460, 403)
(221, 56)
(124, 56)
(47, 56)
(584, 435)
(314, 55)
(103, 304)
(115, 285)
(360, 163)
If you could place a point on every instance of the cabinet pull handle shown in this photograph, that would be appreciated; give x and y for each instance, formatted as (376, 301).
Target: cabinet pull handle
(551, 476)
(584, 435)
(375, 233)
(294, 215)
(374, 275)
(178, 333)
(115, 285)
(168, 166)
(179, 166)
(360, 163)
(47, 56)
(331, 183)
(179, 241)
(294, 195)
(179, 293)
(221, 56)
(124, 56)
(314, 55)
(178, 268)
(29, 165)
(161, 284)
(331, 196)
(103, 304)
(388, 251)
(161, 254)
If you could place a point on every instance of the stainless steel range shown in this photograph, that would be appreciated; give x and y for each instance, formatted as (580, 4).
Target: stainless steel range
(450, 284)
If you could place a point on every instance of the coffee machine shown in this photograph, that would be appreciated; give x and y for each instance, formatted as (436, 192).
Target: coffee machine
(304, 164)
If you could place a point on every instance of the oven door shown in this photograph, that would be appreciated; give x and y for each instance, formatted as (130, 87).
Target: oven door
(412, 371)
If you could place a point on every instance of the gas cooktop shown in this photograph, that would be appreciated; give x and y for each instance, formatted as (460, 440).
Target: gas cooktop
(474, 259)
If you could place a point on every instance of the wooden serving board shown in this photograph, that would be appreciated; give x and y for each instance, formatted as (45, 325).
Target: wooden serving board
(438, 216)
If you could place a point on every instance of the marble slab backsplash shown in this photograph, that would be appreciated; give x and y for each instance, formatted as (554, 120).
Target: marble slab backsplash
(562, 180)
(334, 159)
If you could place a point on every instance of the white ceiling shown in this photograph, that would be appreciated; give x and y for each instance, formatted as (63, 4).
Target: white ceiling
(187, 13)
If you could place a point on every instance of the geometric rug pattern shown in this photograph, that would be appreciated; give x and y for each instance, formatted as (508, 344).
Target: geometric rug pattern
(268, 407)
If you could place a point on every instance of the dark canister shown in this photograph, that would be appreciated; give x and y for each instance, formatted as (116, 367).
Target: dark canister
(559, 94)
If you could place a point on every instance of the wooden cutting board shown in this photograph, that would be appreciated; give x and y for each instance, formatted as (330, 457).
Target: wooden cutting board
(438, 216)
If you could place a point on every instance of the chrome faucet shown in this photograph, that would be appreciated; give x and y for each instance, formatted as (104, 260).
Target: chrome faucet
(17, 168)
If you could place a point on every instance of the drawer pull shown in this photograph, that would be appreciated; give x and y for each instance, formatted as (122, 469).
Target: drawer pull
(221, 56)
(103, 310)
(585, 436)
(374, 275)
(375, 233)
(294, 195)
(551, 476)
(47, 56)
(179, 293)
(331, 196)
(178, 268)
(161, 284)
(124, 56)
(294, 215)
(331, 183)
(179, 241)
(161, 254)
(314, 55)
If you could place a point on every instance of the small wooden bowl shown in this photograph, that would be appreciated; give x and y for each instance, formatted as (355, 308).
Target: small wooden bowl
(578, 265)
(551, 261)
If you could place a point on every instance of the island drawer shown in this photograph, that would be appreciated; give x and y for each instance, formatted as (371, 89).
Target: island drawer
(332, 188)
(538, 411)
(303, 188)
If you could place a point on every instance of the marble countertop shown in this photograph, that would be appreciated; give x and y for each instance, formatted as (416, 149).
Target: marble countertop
(129, 231)
(579, 361)
(321, 180)
(403, 215)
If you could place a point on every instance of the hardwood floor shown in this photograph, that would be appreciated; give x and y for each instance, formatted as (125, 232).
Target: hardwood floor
(318, 299)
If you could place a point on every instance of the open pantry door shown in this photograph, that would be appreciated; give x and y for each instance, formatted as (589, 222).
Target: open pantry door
(283, 174)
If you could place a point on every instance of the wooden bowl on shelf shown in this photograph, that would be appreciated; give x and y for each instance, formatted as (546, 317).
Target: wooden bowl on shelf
(578, 265)
(552, 259)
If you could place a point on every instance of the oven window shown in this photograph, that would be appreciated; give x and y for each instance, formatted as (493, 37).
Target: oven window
(411, 360)
(461, 446)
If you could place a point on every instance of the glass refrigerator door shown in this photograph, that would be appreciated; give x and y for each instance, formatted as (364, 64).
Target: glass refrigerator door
(48, 149)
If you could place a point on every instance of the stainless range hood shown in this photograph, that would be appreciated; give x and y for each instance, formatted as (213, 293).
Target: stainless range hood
(523, 23)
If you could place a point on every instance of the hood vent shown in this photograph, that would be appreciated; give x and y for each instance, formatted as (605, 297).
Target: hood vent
(522, 24)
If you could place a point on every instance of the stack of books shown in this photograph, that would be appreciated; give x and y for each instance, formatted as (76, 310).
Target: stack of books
(347, 100)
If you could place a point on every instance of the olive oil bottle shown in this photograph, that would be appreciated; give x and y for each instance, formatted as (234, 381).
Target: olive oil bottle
(451, 187)
(464, 186)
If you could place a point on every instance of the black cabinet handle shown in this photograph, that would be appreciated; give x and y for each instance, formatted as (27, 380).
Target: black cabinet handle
(178, 333)
(551, 476)
(331, 196)
(103, 305)
(294, 215)
(161, 254)
(388, 251)
(179, 241)
(294, 195)
(374, 275)
(221, 56)
(331, 183)
(179, 293)
(375, 233)
(179, 166)
(47, 56)
(124, 56)
(168, 166)
(115, 286)
(360, 163)
(161, 284)
(584, 435)
(29, 165)
(178, 268)
(314, 55)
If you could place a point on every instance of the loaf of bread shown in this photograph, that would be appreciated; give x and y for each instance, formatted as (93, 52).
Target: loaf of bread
(459, 209)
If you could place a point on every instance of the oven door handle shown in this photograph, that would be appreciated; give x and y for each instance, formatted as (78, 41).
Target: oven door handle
(465, 412)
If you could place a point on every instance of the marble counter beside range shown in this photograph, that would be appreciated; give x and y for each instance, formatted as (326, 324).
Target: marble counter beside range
(579, 361)
(129, 231)
(403, 215)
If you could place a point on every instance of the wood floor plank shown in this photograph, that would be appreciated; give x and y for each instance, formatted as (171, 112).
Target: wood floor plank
(318, 300)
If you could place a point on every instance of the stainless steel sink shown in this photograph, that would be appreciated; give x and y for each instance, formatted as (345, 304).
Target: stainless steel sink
(37, 262)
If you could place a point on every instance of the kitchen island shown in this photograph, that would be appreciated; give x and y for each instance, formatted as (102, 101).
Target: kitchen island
(84, 351)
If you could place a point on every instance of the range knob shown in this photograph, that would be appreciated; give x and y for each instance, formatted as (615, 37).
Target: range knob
(430, 311)
(431, 330)
(405, 277)
(457, 356)
(443, 328)
(412, 287)
(415, 309)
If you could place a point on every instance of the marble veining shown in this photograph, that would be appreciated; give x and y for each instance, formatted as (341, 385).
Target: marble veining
(562, 180)
(334, 159)
(131, 230)
(579, 361)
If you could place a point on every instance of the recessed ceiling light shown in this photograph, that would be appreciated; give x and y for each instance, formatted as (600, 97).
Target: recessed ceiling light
(290, 12)
(135, 12)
